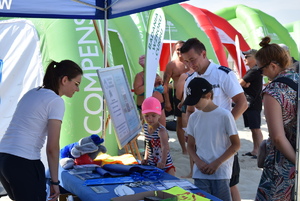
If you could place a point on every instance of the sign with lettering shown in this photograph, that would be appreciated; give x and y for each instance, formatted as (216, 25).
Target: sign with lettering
(155, 36)
(120, 104)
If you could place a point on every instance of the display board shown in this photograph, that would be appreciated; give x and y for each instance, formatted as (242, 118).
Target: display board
(120, 103)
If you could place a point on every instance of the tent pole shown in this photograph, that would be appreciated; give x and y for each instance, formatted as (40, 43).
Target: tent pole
(105, 34)
(170, 46)
(297, 177)
(99, 38)
(104, 115)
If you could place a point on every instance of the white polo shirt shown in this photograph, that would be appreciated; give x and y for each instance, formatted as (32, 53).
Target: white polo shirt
(224, 81)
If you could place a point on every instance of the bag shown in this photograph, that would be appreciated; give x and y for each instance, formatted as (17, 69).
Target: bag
(262, 154)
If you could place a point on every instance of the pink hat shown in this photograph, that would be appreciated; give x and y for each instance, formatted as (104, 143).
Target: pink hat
(151, 104)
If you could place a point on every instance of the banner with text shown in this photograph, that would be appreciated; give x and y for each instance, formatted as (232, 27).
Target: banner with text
(155, 35)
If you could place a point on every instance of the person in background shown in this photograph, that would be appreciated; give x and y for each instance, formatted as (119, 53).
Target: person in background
(38, 116)
(173, 71)
(181, 95)
(226, 89)
(157, 151)
(280, 107)
(252, 84)
(158, 91)
(294, 62)
(212, 140)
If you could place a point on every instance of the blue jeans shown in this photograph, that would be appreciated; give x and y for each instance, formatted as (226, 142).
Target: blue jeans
(218, 188)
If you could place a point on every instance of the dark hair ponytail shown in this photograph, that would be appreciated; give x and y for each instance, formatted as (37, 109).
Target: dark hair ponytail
(57, 70)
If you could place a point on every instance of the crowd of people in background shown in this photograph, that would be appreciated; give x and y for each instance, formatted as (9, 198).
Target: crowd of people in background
(206, 99)
(202, 88)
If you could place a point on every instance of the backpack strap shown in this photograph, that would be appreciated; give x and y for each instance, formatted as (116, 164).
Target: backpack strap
(288, 82)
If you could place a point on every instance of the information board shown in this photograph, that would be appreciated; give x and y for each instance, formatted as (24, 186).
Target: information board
(120, 103)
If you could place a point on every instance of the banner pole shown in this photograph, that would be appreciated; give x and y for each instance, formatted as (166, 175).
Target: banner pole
(103, 46)
(297, 190)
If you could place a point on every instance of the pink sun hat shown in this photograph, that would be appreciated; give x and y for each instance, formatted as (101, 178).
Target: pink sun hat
(151, 104)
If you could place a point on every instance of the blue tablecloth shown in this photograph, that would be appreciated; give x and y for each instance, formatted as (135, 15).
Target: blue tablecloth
(76, 186)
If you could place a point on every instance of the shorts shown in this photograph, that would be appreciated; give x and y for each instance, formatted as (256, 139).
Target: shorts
(218, 187)
(235, 177)
(252, 119)
(177, 112)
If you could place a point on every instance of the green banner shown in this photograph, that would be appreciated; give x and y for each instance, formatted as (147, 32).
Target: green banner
(254, 24)
(126, 45)
(77, 40)
(294, 30)
(177, 21)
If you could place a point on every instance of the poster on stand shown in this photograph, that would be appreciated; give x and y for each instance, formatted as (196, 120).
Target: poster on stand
(120, 103)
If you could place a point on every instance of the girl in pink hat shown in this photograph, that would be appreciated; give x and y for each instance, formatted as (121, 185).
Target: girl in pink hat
(157, 151)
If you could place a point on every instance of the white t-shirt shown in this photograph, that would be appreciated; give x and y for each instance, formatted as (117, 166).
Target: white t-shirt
(211, 131)
(27, 130)
(225, 86)
(224, 81)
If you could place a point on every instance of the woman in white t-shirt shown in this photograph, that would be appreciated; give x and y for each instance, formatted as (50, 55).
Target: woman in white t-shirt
(38, 115)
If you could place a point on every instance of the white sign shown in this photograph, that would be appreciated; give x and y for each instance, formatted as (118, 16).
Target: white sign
(120, 103)
(155, 35)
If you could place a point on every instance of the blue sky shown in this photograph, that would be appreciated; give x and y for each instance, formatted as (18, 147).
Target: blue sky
(284, 11)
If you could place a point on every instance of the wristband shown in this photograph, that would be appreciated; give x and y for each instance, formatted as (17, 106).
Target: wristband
(54, 183)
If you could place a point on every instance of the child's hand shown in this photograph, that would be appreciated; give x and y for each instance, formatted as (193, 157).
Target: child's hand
(161, 165)
(144, 162)
(208, 170)
(211, 168)
(214, 165)
(202, 166)
(179, 105)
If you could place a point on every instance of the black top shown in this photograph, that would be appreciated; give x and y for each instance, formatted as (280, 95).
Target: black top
(255, 79)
